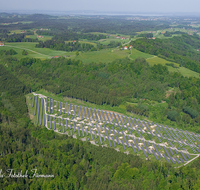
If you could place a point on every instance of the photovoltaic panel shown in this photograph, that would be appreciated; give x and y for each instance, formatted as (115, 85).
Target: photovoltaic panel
(171, 151)
(188, 156)
(49, 105)
(136, 144)
(123, 144)
(176, 160)
(33, 101)
(38, 111)
(113, 142)
(104, 137)
(166, 158)
(183, 156)
(44, 122)
(154, 154)
(86, 131)
(36, 105)
(109, 141)
(60, 109)
(88, 113)
(133, 148)
(107, 117)
(99, 114)
(157, 151)
(46, 104)
(104, 116)
(66, 124)
(146, 147)
(79, 131)
(50, 122)
(82, 130)
(181, 160)
(63, 126)
(41, 112)
(53, 106)
(74, 126)
(77, 111)
(144, 152)
(171, 159)
(95, 134)
(91, 133)
(81, 112)
(96, 115)
(92, 114)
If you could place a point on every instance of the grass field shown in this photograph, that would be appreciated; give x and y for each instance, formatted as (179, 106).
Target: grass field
(42, 39)
(184, 71)
(105, 56)
(85, 41)
(135, 54)
(42, 53)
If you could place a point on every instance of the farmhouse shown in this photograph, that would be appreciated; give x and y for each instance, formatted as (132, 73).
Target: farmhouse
(130, 46)
(125, 47)
(1, 44)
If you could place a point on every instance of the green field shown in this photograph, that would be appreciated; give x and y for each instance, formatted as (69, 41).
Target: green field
(85, 41)
(105, 56)
(184, 71)
(41, 39)
(41, 53)
(135, 54)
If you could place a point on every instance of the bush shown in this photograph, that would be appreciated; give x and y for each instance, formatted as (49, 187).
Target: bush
(193, 113)
(172, 115)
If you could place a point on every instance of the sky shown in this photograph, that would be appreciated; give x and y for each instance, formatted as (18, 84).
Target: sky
(135, 6)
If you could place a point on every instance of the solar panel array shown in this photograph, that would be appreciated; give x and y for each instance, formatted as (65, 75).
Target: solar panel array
(115, 130)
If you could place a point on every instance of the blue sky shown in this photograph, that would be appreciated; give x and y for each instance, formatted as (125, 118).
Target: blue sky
(104, 5)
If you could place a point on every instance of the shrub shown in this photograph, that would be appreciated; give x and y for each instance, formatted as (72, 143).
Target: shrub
(193, 113)
(172, 115)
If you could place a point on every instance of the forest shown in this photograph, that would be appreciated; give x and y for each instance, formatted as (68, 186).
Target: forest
(70, 46)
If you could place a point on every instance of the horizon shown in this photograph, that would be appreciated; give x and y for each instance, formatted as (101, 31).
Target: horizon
(127, 6)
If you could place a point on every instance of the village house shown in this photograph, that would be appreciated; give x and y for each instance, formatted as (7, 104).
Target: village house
(130, 46)
(1, 44)
(125, 47)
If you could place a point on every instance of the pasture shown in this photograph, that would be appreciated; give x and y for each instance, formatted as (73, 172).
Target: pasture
(41, 53)
(41, 39)
(105, 55)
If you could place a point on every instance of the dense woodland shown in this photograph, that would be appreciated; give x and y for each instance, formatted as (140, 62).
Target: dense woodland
(74, 164)
(6, 37)
(180, 49)
(70, 46)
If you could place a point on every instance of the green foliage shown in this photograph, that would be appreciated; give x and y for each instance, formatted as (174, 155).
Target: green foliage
(125, 172)
(24, 52)
(179, 49)
(193, 113)
(8, 52)
(172, 115)
(27, 61)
